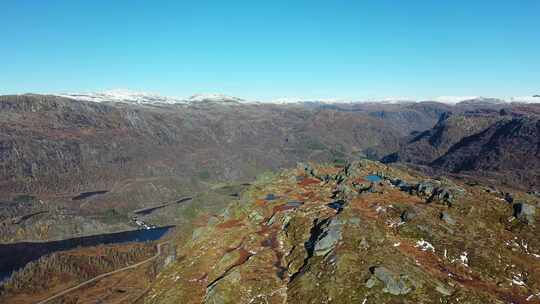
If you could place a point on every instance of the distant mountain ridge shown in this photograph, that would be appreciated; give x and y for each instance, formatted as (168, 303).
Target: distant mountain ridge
(129, 96)
(501, 145)
(509, 150)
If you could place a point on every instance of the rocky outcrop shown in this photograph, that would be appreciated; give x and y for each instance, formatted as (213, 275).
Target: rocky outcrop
(393, 284)
(408, 215)
(525, 212)
(430, 190)
(445, 217)
(327, 237)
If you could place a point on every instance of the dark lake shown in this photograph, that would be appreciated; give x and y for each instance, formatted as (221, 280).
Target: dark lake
(16, 255)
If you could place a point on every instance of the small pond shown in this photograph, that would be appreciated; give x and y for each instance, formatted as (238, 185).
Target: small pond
(373, 178)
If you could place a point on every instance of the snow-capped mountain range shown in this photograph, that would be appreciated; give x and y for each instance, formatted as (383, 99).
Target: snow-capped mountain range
(121, 95)
(128, 96)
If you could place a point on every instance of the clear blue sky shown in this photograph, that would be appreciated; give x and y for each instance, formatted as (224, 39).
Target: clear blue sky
(270, 49)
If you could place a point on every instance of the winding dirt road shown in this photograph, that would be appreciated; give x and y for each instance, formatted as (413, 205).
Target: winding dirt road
(101, 276)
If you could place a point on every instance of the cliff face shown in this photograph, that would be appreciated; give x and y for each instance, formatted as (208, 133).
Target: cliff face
(364, 233)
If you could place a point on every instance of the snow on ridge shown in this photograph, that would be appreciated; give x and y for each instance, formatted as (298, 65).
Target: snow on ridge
(525, 99)
(454, 99)
(213, 97)
(460, 99)
(123, 95)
